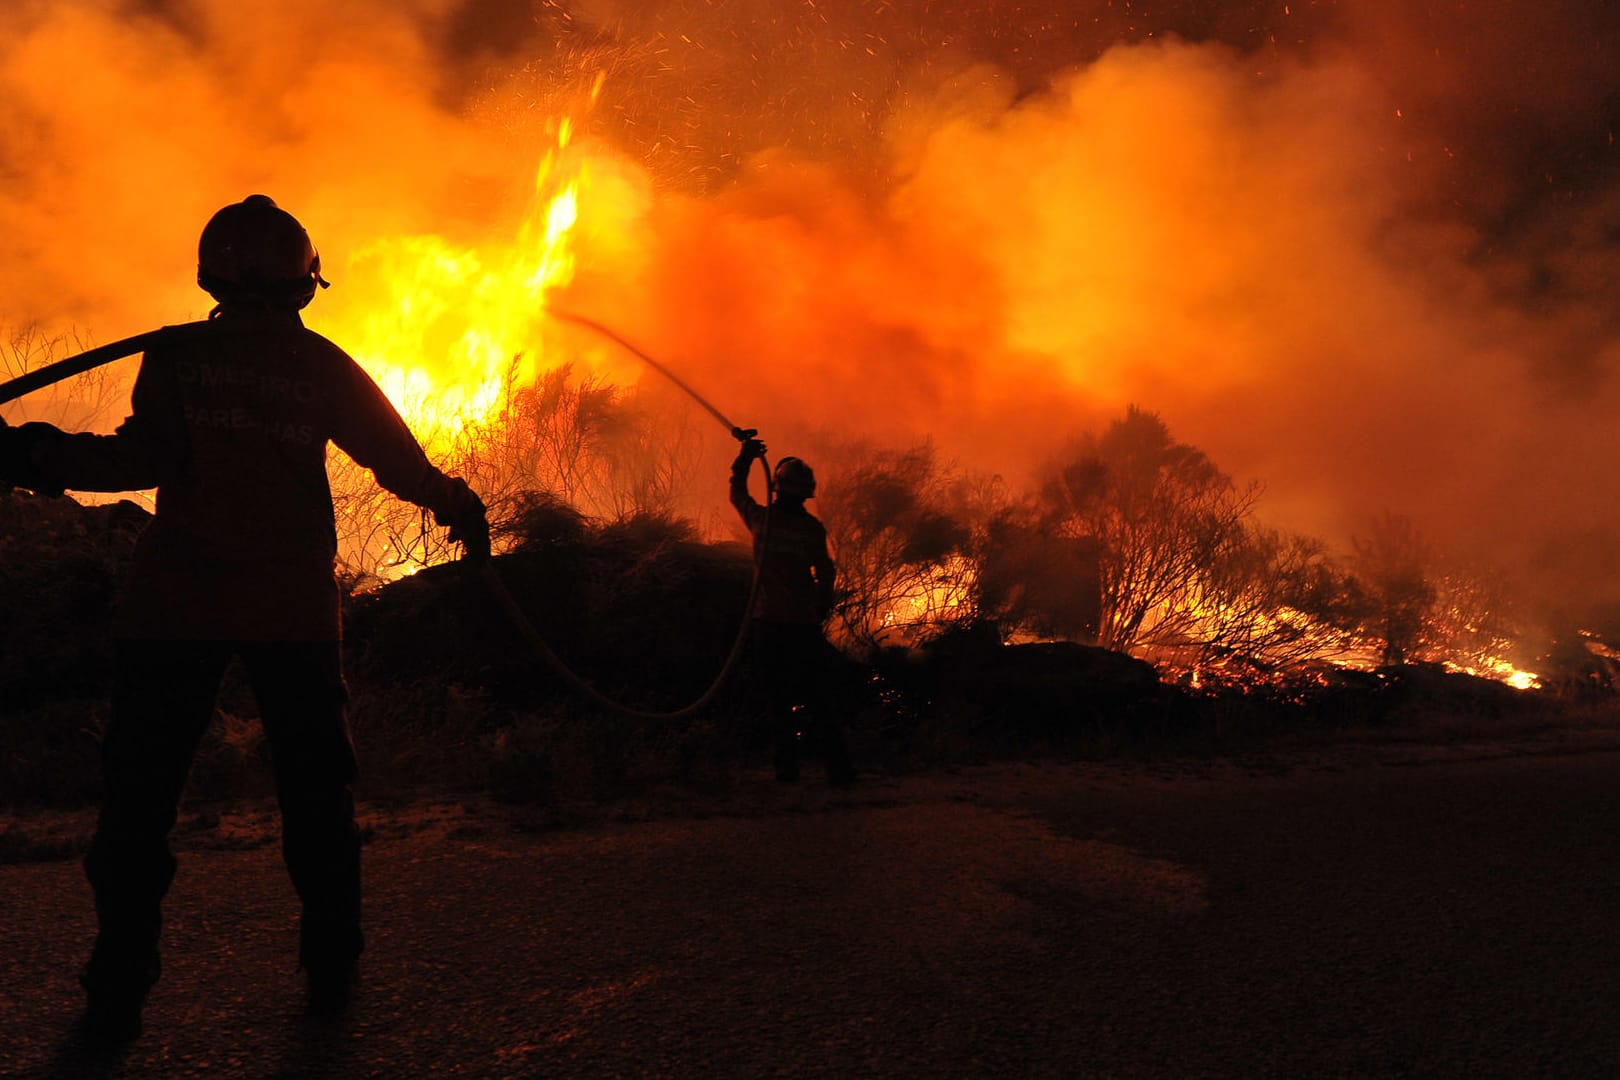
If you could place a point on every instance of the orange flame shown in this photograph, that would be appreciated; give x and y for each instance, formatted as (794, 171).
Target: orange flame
(442, 327)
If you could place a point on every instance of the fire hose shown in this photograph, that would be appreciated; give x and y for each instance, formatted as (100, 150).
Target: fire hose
(60, 370)
(50, 374)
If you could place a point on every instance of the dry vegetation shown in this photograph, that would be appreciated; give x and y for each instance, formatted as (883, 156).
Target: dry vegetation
(974, 619)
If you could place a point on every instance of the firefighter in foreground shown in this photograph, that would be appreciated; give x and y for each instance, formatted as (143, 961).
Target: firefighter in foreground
(231, 424)
(795, 595)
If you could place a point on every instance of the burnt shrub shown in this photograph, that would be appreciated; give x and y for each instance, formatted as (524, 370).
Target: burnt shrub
(969, 690)
(1428, 695)
(638, 609)
(60, 564)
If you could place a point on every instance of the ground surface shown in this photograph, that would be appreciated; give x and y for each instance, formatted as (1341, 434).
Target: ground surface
(1374, 913)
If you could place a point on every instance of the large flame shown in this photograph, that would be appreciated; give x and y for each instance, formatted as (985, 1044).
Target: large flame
(1365, 257)
(445, 328)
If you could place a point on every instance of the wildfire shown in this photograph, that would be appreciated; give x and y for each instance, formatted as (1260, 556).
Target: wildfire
(937, 596)
(1501, 671)
(448, 329)
(445, 328)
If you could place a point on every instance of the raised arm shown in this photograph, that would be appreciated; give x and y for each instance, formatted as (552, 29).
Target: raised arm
(752, 450)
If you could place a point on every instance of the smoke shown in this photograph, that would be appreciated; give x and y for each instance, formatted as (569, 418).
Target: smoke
(1366, 258)
(128, 124)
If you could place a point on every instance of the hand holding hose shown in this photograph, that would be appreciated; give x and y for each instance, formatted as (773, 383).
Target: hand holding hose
(18, 466)
(473, 535)
(465, 515)
(752, 450)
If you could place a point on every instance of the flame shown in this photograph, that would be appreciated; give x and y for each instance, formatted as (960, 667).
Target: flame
(445, 328)
(935, 597)
(1501, 671)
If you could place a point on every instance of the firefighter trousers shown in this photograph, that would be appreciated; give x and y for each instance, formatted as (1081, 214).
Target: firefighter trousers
(797, 666)
(163, 701)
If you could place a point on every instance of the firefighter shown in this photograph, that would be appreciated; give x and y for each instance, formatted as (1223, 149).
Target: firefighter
(795, 595)
(230, 424)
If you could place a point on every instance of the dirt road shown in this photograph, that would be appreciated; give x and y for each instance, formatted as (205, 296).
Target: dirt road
(1326, 919)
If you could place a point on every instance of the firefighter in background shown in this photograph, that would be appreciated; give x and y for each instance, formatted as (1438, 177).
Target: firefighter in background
(231, 425)
(795, 595)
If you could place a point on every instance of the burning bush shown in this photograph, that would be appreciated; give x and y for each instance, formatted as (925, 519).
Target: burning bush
(1415, 605)
(1161, 515)
(925, 548)
(613, 453)
(1140, 544)
(904, 543)
(1391, 567)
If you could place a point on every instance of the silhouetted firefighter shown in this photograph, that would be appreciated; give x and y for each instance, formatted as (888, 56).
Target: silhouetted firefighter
(230, 424)
(795, 594)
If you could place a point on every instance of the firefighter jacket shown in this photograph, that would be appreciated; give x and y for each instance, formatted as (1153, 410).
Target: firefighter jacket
(230, 423)
(796, 573)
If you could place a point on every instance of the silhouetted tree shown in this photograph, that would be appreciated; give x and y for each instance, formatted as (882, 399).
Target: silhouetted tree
(1420, 605)
(1473, 618)
(1392, 564)
(1032, 579)
(1274, 599)
(903, 543)
(1161, 515)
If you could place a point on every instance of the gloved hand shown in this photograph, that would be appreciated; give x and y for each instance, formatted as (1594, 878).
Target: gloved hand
(752, 449)
(17, 465)
(473, 535)
(465, 516)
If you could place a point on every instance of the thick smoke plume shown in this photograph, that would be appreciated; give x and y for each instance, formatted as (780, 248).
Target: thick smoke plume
(1364, 257)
